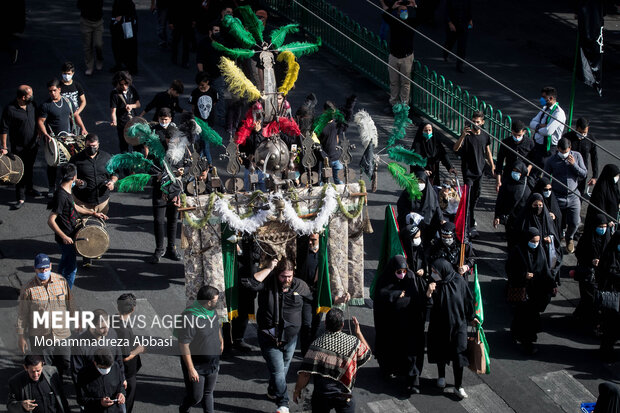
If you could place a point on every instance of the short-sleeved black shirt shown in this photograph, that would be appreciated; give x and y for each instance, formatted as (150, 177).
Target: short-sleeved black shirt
(472, 154)
(131, 97)
(72, 92)
(20, 125)
(204, 103)
(163, 100)
(63, 205)
(57, 115)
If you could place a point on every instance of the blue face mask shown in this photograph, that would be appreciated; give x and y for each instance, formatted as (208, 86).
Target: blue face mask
(427, 135)
(543, 101)
(618, 247)
(532, 245)
(73, 184)
(547, 193)
(517, 139)
(601, 231)
(404, 14)
(44, 276)
(515, 175)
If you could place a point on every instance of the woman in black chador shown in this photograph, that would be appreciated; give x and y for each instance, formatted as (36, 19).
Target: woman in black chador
(511, 199)
(451, 311)
(527, 268)
(543, 187)
(427, 143)
(608, 279)
(400, 306)
(605, 195)
(427, 206)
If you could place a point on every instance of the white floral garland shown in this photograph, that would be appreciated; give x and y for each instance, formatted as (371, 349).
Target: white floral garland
(303, 227)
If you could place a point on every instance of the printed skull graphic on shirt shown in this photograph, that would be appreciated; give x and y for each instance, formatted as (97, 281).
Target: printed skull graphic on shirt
(205, 104)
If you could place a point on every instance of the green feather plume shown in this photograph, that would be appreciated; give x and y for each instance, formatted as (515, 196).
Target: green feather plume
(400, 154)
(234, 53)
(149, 138)
(401, 121)
(133, 183)
(236, 29)
(278, 35)
(131, 161)
(301, 48)
(407, 181)
(252, 23)
(207, 133)
(325, 117)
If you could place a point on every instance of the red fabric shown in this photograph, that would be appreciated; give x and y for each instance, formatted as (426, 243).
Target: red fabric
(289, 126)
(244, 130)
(460, 220)
(272, 128)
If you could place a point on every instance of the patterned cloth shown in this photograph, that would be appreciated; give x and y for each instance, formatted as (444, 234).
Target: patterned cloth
(336, 356)
(35, 296)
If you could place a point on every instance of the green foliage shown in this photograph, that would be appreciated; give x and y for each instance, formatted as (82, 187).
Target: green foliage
(278, 35)
(400, 154)
(207, 133)
(233, 53)
(301, 48)
(252, 23)
(236, 29)
(130, 161)
(133, 183)
(405, 180)
(401, 121)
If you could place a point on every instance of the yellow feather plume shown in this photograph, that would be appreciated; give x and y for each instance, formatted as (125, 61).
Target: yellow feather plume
(291, 73)
(238, 84)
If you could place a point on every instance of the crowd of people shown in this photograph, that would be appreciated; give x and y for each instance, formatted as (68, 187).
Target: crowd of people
(540, 175)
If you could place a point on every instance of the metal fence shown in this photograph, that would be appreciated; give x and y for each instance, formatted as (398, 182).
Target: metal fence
(431, 90)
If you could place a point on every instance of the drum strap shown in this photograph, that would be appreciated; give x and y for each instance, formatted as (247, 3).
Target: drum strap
(125, 102)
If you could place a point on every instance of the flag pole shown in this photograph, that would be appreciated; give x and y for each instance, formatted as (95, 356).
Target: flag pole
(465, 224)
(573, 84)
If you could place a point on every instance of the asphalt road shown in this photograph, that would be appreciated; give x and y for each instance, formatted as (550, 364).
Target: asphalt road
(565, 371)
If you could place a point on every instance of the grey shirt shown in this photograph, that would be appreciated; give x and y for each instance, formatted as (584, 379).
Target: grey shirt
(565, 173)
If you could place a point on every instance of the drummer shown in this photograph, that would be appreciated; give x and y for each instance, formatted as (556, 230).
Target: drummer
(63, 220)
(94, 182)
(57, 115)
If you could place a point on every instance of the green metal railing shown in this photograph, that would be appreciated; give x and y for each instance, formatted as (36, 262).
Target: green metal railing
(431, 90)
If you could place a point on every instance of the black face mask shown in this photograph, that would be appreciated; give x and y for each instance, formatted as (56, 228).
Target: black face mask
(91, 151)
(537, 210)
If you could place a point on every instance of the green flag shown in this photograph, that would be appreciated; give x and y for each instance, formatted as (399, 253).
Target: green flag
(390, 245)
(231, 279)
(323, 289)
(479, 315)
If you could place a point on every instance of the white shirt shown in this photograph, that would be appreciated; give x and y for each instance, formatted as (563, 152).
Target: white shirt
(555, 125)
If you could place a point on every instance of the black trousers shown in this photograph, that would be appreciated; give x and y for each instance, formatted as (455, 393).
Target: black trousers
(122, 143)
(131, 393)
(459, 37)
(181, 34)
(165, 219)
(458, 373)
(125, 51)
(52, 177)
(322, 404)
(475, 189)
(310, 328)
(200, 391)
(246, 307)
(28, 157)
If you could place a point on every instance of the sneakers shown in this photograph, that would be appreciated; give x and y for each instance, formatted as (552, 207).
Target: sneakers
(570, 247)
(242, 346)
(99, 65)
(441, 382)
(282, 409)
(270, 396)
(460, 393)
(17, 205)
(172, 254)
(88, 72)
(155, 258)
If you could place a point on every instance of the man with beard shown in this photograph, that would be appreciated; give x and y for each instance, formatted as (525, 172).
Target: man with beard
(281, 302)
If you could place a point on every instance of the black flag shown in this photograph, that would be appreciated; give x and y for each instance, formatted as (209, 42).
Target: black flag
(590, 17)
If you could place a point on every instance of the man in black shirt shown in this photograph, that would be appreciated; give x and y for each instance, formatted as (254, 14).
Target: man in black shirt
(401, 48)
(71, 89)
(100, 385)
(281, 300)
(473, 146)
(36, 387)
(207, 60)
(57, 115)
(519, 143)
(124, 100)
(460, 21)
(166, 99)
(63, 221)
(19, 125)
(91, 27)
(587, 149)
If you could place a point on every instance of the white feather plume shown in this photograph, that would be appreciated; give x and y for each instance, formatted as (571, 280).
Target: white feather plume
(367, 128)
(177, 148)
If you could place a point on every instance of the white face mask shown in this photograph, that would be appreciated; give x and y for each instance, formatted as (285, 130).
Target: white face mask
(547, 193)
(448, 241)
(563, 155)
(104, 371)
(616, 178)
(66, 77)
(421, 186)
(417, 241)
(164, 125)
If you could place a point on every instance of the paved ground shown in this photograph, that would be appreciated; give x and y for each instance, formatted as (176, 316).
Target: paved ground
(564, 372)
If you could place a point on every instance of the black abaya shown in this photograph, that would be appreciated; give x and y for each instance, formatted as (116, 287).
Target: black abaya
(427, 206)
(433, 150)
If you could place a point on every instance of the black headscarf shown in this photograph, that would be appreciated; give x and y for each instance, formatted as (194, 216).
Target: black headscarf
(432, 149)
(542, 221)
(605, 194)
(608, 271)
(512, 194)
(427, 205)
(608, 398)
(591, 245)
(551, 202)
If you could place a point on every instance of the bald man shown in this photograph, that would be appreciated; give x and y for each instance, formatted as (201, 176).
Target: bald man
(19, 125)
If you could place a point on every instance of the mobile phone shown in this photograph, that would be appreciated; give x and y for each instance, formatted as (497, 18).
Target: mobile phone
(114, 400)
(293, 147)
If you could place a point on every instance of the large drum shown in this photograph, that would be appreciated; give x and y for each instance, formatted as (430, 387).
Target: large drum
(61, 148)
(92, 240)
(11, 168)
